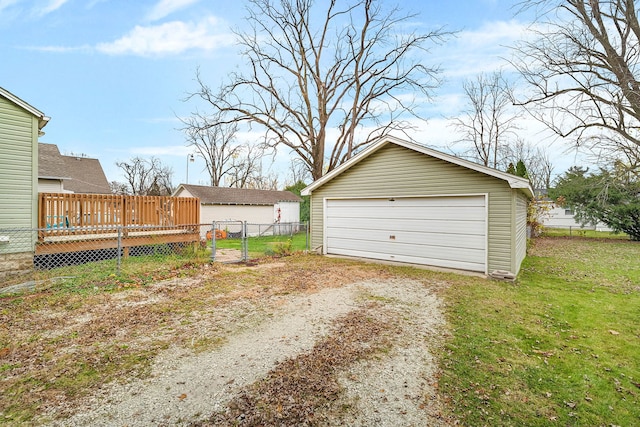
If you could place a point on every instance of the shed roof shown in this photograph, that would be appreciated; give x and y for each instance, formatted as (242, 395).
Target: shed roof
(80, 174)
(42, 119)
(515, 182)
(237, 196)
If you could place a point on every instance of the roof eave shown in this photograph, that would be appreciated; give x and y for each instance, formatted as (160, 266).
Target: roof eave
(42, 119)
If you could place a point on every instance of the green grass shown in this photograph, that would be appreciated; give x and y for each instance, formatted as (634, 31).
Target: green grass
(578, 232)
(559, 347)
(268, 245)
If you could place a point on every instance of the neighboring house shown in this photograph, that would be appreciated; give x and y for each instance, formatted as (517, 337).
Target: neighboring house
(561, 217)
(400, 201)
(242, 204)
(69, 174)
(20, 126)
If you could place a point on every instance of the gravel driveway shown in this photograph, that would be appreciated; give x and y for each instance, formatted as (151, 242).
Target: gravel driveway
(392, 388)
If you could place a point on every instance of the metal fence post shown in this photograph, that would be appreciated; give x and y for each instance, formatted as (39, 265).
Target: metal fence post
(213, 241)
(306, 236)
(245, 245)
(119, 257)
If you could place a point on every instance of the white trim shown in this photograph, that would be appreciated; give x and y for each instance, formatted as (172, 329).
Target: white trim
(486, 233)
(43, 120)
(324, 225)
(512, 180)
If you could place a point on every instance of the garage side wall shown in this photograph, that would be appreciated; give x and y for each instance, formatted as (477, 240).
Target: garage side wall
(398, 171)
(520, 234)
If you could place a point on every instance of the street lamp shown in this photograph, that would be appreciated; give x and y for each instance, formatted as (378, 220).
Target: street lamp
(191, 159)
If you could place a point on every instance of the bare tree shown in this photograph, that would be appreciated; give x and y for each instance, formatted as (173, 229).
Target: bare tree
(215, 143)
(489, 120)
(298, 172)
(349, 68)
(536, 159)
(246, 167)
(583, 69)
(119, 188)
(147, 176)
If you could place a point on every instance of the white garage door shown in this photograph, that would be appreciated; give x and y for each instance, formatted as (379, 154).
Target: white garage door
(439, 231)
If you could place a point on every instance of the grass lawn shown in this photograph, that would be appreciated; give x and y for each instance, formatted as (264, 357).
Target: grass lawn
(561, 346)
(268, 245)
(577, 232)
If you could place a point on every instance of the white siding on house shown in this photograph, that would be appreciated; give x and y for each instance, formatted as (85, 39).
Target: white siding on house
(559, 217)
(288, 212)
(251, 214)
(50, 186)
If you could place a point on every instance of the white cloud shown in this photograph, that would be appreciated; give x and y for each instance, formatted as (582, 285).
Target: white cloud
(170, 38)
(481, 50)
(4, 4)
(167, 7)
(49, 6)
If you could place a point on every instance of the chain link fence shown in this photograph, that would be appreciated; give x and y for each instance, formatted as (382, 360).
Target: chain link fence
(238, 241)
(24, 253)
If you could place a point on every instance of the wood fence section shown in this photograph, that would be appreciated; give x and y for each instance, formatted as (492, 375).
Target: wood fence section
(77, 214)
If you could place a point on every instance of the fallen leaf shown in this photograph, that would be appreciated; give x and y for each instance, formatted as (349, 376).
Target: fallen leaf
(182, 396)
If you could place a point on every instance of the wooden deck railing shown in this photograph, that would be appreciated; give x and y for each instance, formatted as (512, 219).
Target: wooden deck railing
(73, 214)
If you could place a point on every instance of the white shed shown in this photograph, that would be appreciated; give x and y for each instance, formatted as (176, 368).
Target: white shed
(242, 204)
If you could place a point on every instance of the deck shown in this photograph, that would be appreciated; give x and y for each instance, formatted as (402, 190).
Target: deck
(80, 222)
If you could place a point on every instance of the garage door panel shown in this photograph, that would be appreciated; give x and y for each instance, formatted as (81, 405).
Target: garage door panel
(441, 231)
(408, 225)
(455, 201)
(460, 265)
(385, 249)
(405, 212)
(374, 237)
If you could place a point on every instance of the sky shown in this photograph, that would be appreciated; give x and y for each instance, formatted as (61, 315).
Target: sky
(113, 75)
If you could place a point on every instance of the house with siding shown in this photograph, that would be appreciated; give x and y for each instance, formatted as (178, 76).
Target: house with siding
(69, 174)
(403, 202)
(243, 204)
(20, 126)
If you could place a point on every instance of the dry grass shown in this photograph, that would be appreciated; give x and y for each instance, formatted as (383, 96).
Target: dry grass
(57, 346)
(302, 390)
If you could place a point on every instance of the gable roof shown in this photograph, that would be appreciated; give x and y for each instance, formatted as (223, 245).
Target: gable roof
(237, 196)
(80, 174)
(50, 162)
(42, 119)
(513, 181)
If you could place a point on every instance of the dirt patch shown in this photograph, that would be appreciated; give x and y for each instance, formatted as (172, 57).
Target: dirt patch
(182, 350)
(358, 354)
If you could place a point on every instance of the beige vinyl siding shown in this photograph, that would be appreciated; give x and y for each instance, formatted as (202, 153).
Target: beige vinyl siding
(18, 166)
(520, 230)
(398, 171)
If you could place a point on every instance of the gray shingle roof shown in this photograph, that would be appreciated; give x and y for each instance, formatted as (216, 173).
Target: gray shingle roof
(80, 174)
(50, 162)
(239, 196)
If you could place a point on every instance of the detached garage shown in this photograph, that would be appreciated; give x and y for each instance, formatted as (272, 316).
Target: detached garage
(399, 201)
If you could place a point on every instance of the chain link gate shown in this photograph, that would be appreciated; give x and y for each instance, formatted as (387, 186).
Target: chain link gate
(229, 241)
